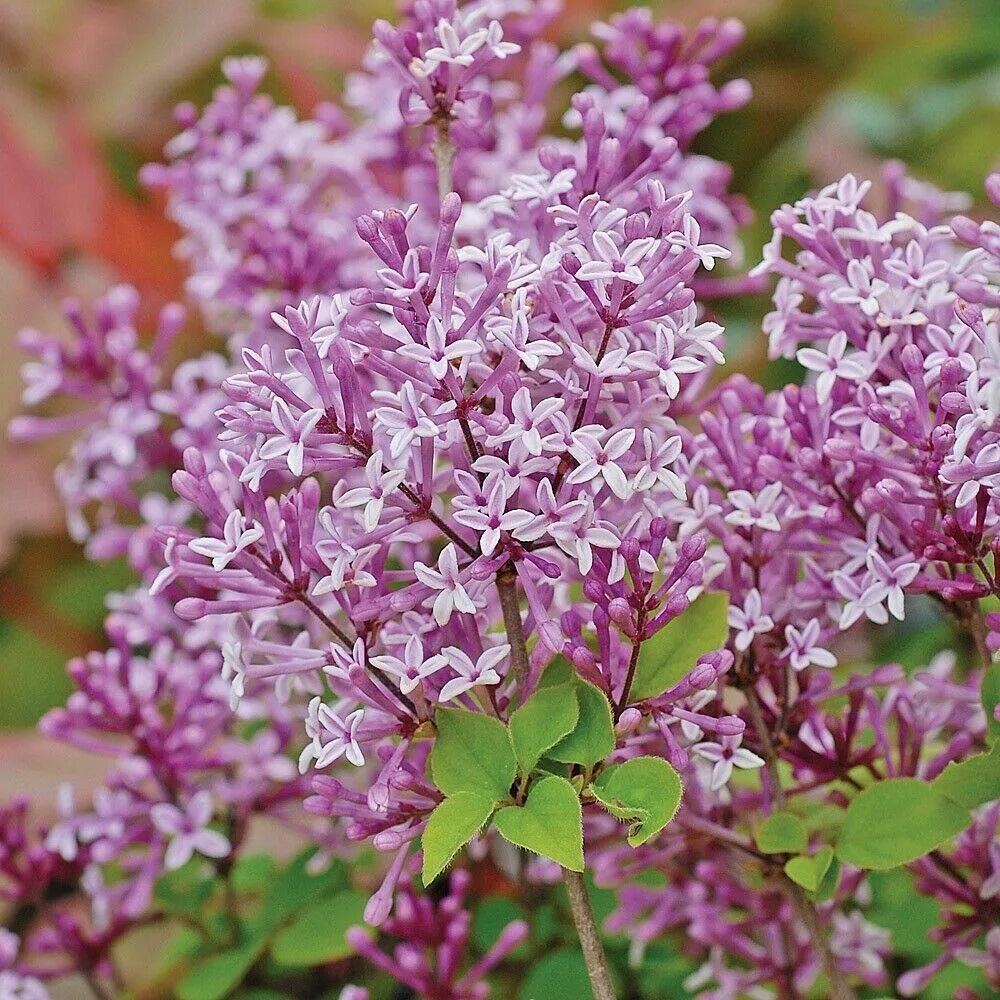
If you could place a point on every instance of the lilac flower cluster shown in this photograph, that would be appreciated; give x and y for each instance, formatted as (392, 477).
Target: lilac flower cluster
(465, 422)
(432, 941)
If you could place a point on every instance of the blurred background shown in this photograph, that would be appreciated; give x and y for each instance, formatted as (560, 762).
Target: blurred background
(87, 89)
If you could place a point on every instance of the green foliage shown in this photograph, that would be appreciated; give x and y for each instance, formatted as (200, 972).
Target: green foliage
(549, 714)
(452, 825)
(218, 975)
(185, 892)
(971, 782)
(670, 654)
(896, 821)
(809, 871)
(593, 737)
(549, 823)
(646, 790)
(472, 753)
(559, 974)
(292, 917)
(317, 933)
(490, 917)
(296, 886)
(782, 833)
(828, 884)
(991, 698)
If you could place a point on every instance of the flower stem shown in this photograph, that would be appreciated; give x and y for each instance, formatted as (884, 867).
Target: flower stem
(444, 154)
(840, 988)
(590, 938)
(510, 604)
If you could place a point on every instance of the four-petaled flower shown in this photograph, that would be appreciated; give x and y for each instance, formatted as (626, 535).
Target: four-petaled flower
(446, 579)
(236, 536)
(611, 262)
(454, 50)
(188, 831)
(332, 737)
(755, 511)
(413, 667)
(725, 755)
(293, 432)
(381, 482)
(802, 649)
(832, 365)
(493, 517)
(888, 582)
(663, 361)
(749, 620)
(657, 459)
(470, 674)
(597, 459)
(438, 353)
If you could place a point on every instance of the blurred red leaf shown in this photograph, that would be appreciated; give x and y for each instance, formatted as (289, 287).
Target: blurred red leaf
(49, 207)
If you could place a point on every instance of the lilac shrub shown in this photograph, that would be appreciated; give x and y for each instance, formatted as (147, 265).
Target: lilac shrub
(462, 514)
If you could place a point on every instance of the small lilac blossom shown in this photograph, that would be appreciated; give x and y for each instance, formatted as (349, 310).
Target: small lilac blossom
(470, 675)
(187, 831)
(724, 756)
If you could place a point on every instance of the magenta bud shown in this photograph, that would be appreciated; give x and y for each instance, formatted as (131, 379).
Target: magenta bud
(730, 725)
(620, 612)
(366, 228)
(571, 263)
(191, 609)
(451, 208)
(629, 721)
(993, 188)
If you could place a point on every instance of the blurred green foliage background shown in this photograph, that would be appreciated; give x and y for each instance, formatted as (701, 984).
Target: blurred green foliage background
(86, 91)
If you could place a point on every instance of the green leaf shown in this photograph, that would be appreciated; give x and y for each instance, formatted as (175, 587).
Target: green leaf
(252, 873)
(490, 918)
(317, 933)
(558, 671)
(558, 974)
(216, 977)
(185, 892)
(971, 782)
(991, 698)
(549, 823)
(828, 886)
(472, 753)
(895, 822)
(673, 651)
(593, 738)
(296, 887)
(541, 722)
(808, 872)
(452, 825)
(646, 790)
(782, 833)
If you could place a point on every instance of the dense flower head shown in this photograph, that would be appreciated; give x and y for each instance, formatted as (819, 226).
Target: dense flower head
(465, 425)
(432, 939)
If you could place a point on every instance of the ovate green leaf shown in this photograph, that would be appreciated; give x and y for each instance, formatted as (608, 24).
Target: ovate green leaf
(317, 933)
(472, 753)
(219, 975)
(782, 833)
(646, 790)
(896, 821)
(452, 825)
(808, 872)
(541, 722)
(670, 654)
(593, 737)
(971, 782)
(991, 698)
(549, 823)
